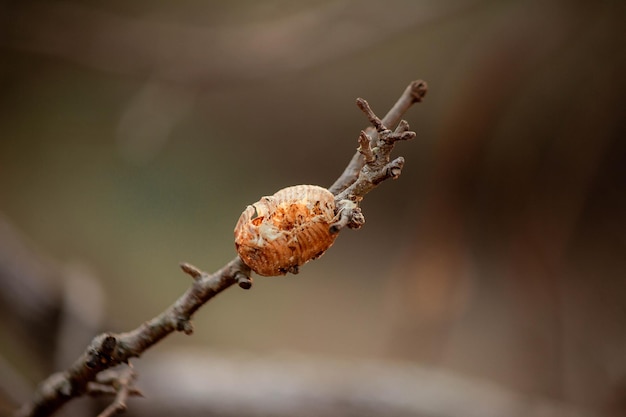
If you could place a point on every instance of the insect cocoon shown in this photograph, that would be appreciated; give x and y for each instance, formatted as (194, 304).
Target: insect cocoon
(279, 233)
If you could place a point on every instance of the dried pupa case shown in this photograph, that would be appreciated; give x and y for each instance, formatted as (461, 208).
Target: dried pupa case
(279, 233)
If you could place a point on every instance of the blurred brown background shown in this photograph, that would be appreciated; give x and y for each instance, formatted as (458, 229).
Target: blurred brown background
(133, 134)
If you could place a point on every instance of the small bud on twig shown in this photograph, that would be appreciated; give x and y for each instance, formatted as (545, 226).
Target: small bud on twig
(191, 270)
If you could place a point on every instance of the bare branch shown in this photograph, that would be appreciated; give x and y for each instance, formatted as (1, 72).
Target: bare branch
(414, 93)
(374, 120)
(376, 166)
(123, 384)
(110, 382)
(109, 349)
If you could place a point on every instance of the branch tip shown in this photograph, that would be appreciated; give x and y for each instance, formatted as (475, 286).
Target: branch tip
(371, 116)
(191, 270)
(365, 148)
(407, 135)
(402, 127)
(418, 88)
(123, 385)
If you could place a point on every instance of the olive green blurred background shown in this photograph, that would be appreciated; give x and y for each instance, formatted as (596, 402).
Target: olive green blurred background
(133, 134)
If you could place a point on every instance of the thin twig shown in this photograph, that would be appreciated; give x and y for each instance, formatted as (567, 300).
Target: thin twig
(95, 389)
(414, 93)
(123, 384)
(191, 270)
(374, 120)
(109, 349)
(365, 147)
(109, 382)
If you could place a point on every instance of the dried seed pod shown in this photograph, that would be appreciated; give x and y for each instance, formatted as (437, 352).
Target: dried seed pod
(279, 233)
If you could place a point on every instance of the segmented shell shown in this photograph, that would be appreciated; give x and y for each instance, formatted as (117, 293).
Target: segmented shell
(279, 233)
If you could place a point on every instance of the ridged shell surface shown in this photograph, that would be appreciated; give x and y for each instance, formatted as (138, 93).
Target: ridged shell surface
(279, 233)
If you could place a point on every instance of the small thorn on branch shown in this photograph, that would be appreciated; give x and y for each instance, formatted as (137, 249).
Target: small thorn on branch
(123, 384)
(389, 137)
(184, 325)
(374, 120)
(364, 147)
(402, 127)
(191, 270)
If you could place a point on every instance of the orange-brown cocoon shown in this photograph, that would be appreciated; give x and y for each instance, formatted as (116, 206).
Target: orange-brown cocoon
(279, 233)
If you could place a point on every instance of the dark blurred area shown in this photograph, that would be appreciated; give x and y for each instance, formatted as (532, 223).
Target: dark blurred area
(133, 134)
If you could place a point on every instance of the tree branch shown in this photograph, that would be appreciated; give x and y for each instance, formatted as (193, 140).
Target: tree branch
(110, 349)
(110, 382)
(414, 93)
(122, 384)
